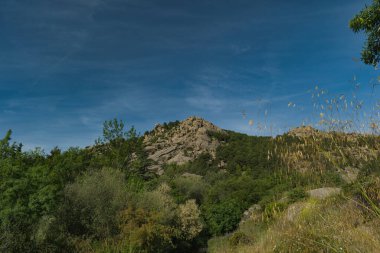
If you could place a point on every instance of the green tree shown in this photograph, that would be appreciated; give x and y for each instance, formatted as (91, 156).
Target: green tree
(113, 132)
(8, 150)
(121, 149)
(368, 20)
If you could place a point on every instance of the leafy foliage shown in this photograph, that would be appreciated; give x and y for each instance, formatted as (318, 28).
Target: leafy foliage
(368, 20)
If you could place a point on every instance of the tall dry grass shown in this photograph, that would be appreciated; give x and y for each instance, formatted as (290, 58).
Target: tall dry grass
(343, 136)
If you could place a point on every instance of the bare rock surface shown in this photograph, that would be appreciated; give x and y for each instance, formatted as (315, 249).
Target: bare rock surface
(253, 213)
(180, 143)
(294, 210)
(322, 193)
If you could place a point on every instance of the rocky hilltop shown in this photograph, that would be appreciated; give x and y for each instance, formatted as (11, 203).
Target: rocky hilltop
(180, 142)
(303, 131)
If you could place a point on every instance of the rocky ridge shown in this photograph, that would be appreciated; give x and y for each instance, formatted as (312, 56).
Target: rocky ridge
(303, 131)
(182, 142)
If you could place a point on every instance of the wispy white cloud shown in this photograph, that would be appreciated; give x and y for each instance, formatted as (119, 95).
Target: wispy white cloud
(203, 98)
(240, 49)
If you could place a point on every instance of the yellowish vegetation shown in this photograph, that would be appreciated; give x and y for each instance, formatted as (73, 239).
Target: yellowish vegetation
(347, 144)
(332, 225)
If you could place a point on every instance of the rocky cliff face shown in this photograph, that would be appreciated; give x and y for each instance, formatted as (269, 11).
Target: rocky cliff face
(180, 143)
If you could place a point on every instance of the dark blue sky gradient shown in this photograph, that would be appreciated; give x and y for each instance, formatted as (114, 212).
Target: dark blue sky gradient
(66, 66)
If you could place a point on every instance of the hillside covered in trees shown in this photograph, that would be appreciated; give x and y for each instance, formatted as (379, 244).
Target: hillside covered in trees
(306, 190)
(188, 186)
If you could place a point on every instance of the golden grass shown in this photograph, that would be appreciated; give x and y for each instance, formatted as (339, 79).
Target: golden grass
(332, 225)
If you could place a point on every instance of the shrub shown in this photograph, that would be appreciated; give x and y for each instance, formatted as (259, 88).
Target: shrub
(190, 187)
(238, 238)
(144, 231)
(297, 194)
(189, 218)
(93, 201)
(223, 217)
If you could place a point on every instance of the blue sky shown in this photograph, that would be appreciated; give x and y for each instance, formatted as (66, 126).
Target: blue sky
(66, 66)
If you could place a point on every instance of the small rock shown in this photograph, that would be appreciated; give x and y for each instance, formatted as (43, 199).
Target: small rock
(349, 174)
(294, 211)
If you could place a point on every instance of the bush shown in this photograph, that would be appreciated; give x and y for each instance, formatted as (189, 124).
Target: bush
(189, 218)
(157, 224)
(297, 194)
(190, 187)
(92, 203)
(144, 231)
(238, 238)
(223, 217)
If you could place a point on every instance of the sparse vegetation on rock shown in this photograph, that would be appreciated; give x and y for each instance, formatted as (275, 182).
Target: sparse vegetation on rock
(180, 142)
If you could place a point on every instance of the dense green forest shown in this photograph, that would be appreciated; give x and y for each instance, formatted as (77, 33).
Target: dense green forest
(104, 199)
